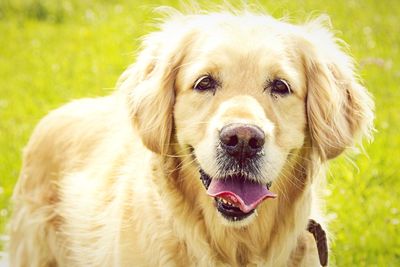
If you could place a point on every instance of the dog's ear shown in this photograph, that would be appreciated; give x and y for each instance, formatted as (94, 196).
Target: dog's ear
(339, 108)
(150, 83)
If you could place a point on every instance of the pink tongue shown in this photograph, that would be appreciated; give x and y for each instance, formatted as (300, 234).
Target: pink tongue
(244, 194)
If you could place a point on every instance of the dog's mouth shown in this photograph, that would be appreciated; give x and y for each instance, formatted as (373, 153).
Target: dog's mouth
(235, 196)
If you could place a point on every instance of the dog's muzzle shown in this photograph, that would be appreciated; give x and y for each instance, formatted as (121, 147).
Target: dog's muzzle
(235, 188)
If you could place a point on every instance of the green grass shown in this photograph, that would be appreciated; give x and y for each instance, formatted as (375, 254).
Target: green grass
(55, 51)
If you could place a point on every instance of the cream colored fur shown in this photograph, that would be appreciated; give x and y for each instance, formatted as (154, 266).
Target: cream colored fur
(114, 181)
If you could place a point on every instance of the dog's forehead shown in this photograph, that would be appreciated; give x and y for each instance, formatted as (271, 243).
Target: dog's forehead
(230, 39)
(245, 54)
(246, 49)
(237, 49)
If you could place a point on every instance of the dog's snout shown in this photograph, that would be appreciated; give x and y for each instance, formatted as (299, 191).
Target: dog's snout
(242, 140)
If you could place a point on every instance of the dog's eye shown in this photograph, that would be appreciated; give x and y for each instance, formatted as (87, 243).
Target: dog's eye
(205, 83)
(279, 87)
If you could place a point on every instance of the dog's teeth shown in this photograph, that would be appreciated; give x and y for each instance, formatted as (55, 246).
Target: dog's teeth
(226, 202)
(235, 218)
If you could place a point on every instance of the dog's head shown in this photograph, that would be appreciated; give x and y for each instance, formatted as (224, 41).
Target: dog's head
(237, 96)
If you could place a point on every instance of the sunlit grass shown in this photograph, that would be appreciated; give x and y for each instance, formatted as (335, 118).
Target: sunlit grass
(55, 51)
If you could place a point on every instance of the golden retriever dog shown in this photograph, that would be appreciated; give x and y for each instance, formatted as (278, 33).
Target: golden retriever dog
(210, 153)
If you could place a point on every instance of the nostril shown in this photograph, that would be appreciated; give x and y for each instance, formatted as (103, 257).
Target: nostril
(255, 143)
(232, 141)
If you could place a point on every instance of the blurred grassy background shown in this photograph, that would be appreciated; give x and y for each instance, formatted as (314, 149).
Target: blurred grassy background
(54, 51)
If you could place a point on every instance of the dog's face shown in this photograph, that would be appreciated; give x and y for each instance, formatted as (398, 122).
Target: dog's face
(241, 95)
(240, 109)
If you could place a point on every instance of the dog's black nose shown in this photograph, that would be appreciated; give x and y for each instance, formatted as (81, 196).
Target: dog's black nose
(242, 140)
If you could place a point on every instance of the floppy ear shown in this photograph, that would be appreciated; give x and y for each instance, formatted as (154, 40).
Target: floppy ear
(150, 85)
(339, 108)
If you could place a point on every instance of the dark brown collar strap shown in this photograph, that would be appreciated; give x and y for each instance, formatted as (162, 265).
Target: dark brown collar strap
(320, 238)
